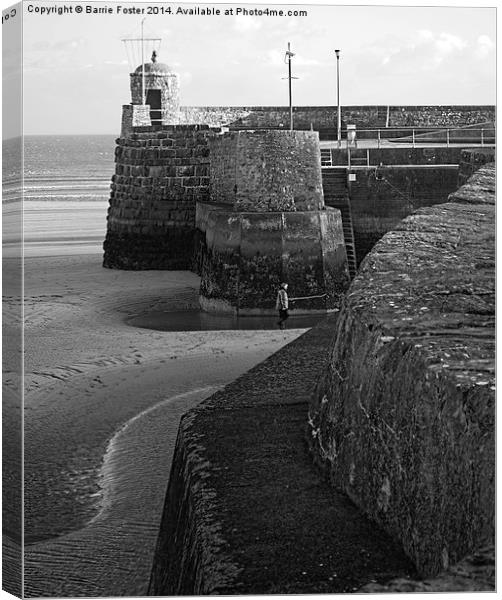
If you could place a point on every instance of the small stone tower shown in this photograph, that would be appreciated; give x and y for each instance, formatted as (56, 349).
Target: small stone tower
(155, 102)
(161, 170)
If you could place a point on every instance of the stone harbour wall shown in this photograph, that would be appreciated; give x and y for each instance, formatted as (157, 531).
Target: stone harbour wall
(441, 116)
(325, 117)
(416, 116)
(244, 257)
(260, 117)
(266, 223)
(381, 197)
(159, 177)
(471, 160)
(398, 155)
(267, 171)
(223, 170)
(402, 420)
(134, 115)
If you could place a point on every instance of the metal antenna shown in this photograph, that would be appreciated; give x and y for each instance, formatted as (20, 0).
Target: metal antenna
(132, 44)
(287, 59)
(143, 99)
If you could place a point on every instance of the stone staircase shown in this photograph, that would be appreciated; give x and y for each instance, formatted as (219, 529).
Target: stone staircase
(336, 195)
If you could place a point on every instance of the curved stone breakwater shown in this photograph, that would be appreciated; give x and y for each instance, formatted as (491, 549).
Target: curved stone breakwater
(246, 512)
(403, 417)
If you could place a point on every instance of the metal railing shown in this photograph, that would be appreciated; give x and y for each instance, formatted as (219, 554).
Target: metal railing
(419, 136)
(415, 136)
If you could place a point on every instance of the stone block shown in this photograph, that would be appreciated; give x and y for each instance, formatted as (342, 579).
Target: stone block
(185, 171)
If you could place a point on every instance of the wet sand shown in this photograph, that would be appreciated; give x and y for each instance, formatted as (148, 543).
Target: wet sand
(102, 406)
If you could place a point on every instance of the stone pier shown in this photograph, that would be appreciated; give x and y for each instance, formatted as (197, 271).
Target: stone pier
(159, 176)
(266, 222)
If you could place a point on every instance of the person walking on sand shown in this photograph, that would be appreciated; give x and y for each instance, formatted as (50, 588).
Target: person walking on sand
(282, 304)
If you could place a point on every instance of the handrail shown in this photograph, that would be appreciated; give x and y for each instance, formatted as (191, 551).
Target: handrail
(416, 136)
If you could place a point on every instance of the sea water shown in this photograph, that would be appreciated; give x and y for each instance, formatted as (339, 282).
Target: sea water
(66, 187)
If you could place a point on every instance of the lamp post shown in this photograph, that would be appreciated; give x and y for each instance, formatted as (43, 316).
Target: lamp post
(287, 59)
(338, 114)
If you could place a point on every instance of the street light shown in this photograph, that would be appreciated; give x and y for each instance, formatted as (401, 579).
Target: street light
(287, 59)
(338, 114)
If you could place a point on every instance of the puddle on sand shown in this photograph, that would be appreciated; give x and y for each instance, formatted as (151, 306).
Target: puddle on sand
(198, 320)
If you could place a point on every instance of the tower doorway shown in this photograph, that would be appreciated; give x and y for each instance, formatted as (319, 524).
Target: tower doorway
(153, 98)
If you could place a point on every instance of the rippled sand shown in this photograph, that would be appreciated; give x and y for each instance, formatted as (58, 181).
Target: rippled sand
(102, 406)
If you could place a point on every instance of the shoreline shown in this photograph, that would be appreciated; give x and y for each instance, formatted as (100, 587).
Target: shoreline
(90, 379)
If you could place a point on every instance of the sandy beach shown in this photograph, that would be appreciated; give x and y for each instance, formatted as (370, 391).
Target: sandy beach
(103, 401)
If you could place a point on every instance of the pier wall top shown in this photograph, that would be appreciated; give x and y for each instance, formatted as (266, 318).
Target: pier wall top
(324, 117)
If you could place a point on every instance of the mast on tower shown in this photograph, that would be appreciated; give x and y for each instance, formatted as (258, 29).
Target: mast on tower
(154, 85)
(136, 48)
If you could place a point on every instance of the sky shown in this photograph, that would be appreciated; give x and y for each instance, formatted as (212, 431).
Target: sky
(76, 70)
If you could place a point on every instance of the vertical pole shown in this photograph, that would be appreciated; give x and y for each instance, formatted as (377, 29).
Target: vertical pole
(290, 90)
(143, 98)
(413, 137)
(482, 137)
(448, 138)
(338, 110)
(379, 137)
